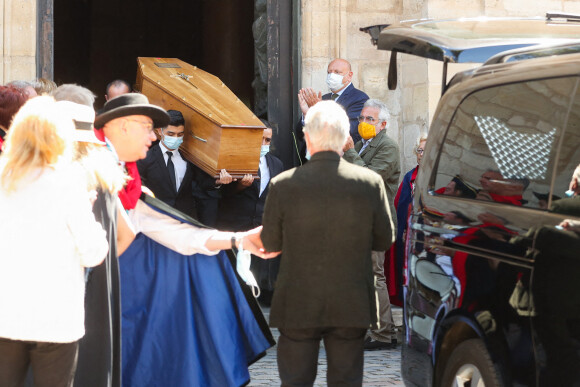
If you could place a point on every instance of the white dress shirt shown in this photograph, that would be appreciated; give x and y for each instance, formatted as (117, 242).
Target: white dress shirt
(339, 92)
(179, 164)
(184, 238)
(264, 174)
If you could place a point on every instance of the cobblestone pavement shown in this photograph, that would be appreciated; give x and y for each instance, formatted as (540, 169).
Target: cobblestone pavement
(382, 368)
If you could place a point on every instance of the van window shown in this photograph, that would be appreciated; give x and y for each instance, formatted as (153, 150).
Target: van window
(502, 142)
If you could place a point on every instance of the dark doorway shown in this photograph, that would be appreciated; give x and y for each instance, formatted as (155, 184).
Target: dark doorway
(96, 42)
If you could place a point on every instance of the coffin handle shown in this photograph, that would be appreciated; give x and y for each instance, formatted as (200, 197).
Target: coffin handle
(198, 138)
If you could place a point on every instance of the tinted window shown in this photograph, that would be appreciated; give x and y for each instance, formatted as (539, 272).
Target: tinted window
(569, 154)
(501, 144)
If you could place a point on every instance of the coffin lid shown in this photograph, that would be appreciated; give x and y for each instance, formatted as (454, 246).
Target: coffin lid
(203, 92)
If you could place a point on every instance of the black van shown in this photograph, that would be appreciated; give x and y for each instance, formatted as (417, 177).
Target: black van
(490, 295)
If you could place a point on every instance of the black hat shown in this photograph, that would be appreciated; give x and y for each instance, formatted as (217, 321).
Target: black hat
(128, 105)
(466, 190)
(544, 196)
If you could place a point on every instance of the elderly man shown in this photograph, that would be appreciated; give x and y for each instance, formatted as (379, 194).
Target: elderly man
(127, 124)
(325, 284)
(157, 268)
(378, 152)
(339, 82)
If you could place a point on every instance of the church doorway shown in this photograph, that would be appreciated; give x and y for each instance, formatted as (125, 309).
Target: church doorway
(96, 42)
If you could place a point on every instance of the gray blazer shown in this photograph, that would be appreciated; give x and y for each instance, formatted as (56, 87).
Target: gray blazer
(327, 216)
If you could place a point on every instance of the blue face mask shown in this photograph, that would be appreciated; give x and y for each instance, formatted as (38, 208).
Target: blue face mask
(307, 155)
(172, 142)
(264, 149)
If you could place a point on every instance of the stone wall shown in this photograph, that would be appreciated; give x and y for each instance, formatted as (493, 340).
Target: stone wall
(18, 40)
(330, 29)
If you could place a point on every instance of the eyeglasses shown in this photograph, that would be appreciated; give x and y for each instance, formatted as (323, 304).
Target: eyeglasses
(419, 151)
(367, 118)
(148, 126)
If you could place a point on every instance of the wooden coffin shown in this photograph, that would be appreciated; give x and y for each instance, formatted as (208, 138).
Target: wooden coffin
(220, 131)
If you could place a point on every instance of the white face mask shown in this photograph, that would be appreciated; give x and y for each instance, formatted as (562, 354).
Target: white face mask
(334, 81)
(264, 149)
(243, 262)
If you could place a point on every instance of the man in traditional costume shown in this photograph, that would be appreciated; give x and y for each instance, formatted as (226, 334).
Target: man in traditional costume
(185, 318)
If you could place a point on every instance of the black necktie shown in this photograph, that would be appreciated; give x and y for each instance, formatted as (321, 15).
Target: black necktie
(171, 169)
(334, 96)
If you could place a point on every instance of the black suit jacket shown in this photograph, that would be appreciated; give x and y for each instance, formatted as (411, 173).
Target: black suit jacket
(241, 210)
(155, 176)
(352, 100)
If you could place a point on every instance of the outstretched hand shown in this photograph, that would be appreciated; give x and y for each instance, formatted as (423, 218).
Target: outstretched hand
(253, 243)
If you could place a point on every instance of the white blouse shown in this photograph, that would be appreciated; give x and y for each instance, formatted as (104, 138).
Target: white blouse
(48, 234)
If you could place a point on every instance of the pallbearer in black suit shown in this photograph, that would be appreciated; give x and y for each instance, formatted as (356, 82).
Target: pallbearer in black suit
(165, 172)
(242, 206)
(242, 202)
(169, 176)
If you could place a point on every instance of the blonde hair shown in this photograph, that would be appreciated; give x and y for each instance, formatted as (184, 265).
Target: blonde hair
(102, 170)
(39, 137)
(44, 86)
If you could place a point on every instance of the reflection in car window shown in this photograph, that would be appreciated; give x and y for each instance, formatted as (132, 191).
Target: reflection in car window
(568, 157)
(501, 144)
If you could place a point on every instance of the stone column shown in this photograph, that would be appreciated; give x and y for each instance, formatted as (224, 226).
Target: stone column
(18, 39)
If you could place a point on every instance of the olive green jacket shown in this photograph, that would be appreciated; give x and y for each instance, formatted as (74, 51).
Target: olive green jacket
(567, 206)
(326, 217)
(381, 156)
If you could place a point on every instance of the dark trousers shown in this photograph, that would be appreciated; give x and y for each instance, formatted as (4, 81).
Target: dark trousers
(298, 355)
(53, 364)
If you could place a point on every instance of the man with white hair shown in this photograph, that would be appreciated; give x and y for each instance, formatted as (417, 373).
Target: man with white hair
(380, 153)
(324, 289)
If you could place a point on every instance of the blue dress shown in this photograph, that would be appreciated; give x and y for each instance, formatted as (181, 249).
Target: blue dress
(185, 320)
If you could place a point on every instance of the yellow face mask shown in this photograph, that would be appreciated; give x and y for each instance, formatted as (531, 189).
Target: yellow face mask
(366, 130)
